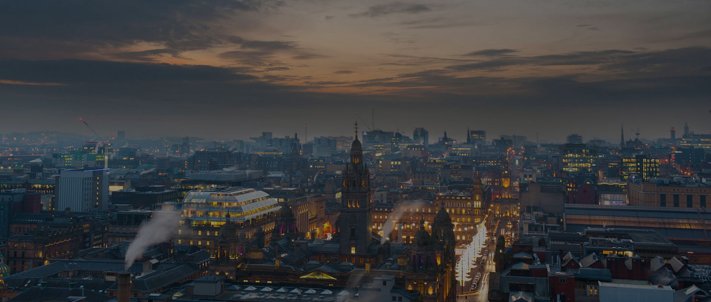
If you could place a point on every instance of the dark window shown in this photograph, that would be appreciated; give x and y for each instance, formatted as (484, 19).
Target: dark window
(676, 200)
(689, 201)
(662, 200)
(702, 201)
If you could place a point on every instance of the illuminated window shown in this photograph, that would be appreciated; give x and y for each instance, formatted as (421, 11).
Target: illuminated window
(353, 250)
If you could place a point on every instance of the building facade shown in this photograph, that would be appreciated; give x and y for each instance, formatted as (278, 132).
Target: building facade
(85, 190)
(669, 195)
(204, 213)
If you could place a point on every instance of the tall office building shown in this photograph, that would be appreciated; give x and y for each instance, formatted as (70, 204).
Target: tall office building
(120, 138)
(324, 146)
(476, 137)
(574, 139)
(577, 158)
(421, 136)
(83, 190)
(642, 166)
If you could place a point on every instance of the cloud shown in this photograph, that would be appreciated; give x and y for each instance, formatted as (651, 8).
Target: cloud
(438, 22)
(25, 83)
(410, 60)
(72, 27)
(124, 87)
(393, 8)
(502, 58)
(278, 68)
(263, 53)
(265, 46)
(619, 74)
(93, 72)
(306, 55)
(491, 52)
(588, 27)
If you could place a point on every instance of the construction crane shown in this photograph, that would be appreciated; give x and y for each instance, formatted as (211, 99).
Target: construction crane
(99, 142)
(96, 134)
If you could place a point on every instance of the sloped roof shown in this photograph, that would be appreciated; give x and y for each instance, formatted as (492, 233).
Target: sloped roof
(589, 260)
(164, 277)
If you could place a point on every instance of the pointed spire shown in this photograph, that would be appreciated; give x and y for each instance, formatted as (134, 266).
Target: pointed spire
(356, 130)
(622, 136)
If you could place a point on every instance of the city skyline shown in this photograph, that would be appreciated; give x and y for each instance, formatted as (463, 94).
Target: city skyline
(355, 151)
(227, 68)
(459, 135)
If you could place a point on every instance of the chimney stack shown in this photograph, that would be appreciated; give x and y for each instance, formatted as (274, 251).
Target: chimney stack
(123, 281)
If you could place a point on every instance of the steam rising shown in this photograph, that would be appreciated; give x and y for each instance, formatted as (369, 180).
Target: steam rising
(160, 228)
(396, 214)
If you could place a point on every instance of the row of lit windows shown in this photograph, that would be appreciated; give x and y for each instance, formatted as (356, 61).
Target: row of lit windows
(221, 214)
(635, 222)
(191, 242)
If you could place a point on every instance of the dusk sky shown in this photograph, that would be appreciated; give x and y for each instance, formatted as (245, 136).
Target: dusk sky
(229, 69)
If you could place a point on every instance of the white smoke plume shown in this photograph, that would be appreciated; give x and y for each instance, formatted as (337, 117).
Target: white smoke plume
(162, 226)
(396, 214)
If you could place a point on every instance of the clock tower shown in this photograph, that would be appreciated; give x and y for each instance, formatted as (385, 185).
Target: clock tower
(354, 226)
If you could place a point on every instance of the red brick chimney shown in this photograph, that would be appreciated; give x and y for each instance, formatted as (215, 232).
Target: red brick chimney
(123, 281)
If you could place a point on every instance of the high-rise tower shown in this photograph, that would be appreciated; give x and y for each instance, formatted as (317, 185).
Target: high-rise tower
(672, 134)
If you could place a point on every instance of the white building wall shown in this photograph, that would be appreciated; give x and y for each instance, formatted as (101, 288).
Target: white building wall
(83, 190)
(614, 292)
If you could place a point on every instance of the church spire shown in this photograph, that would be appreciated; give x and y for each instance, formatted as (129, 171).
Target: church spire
(355, 127)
